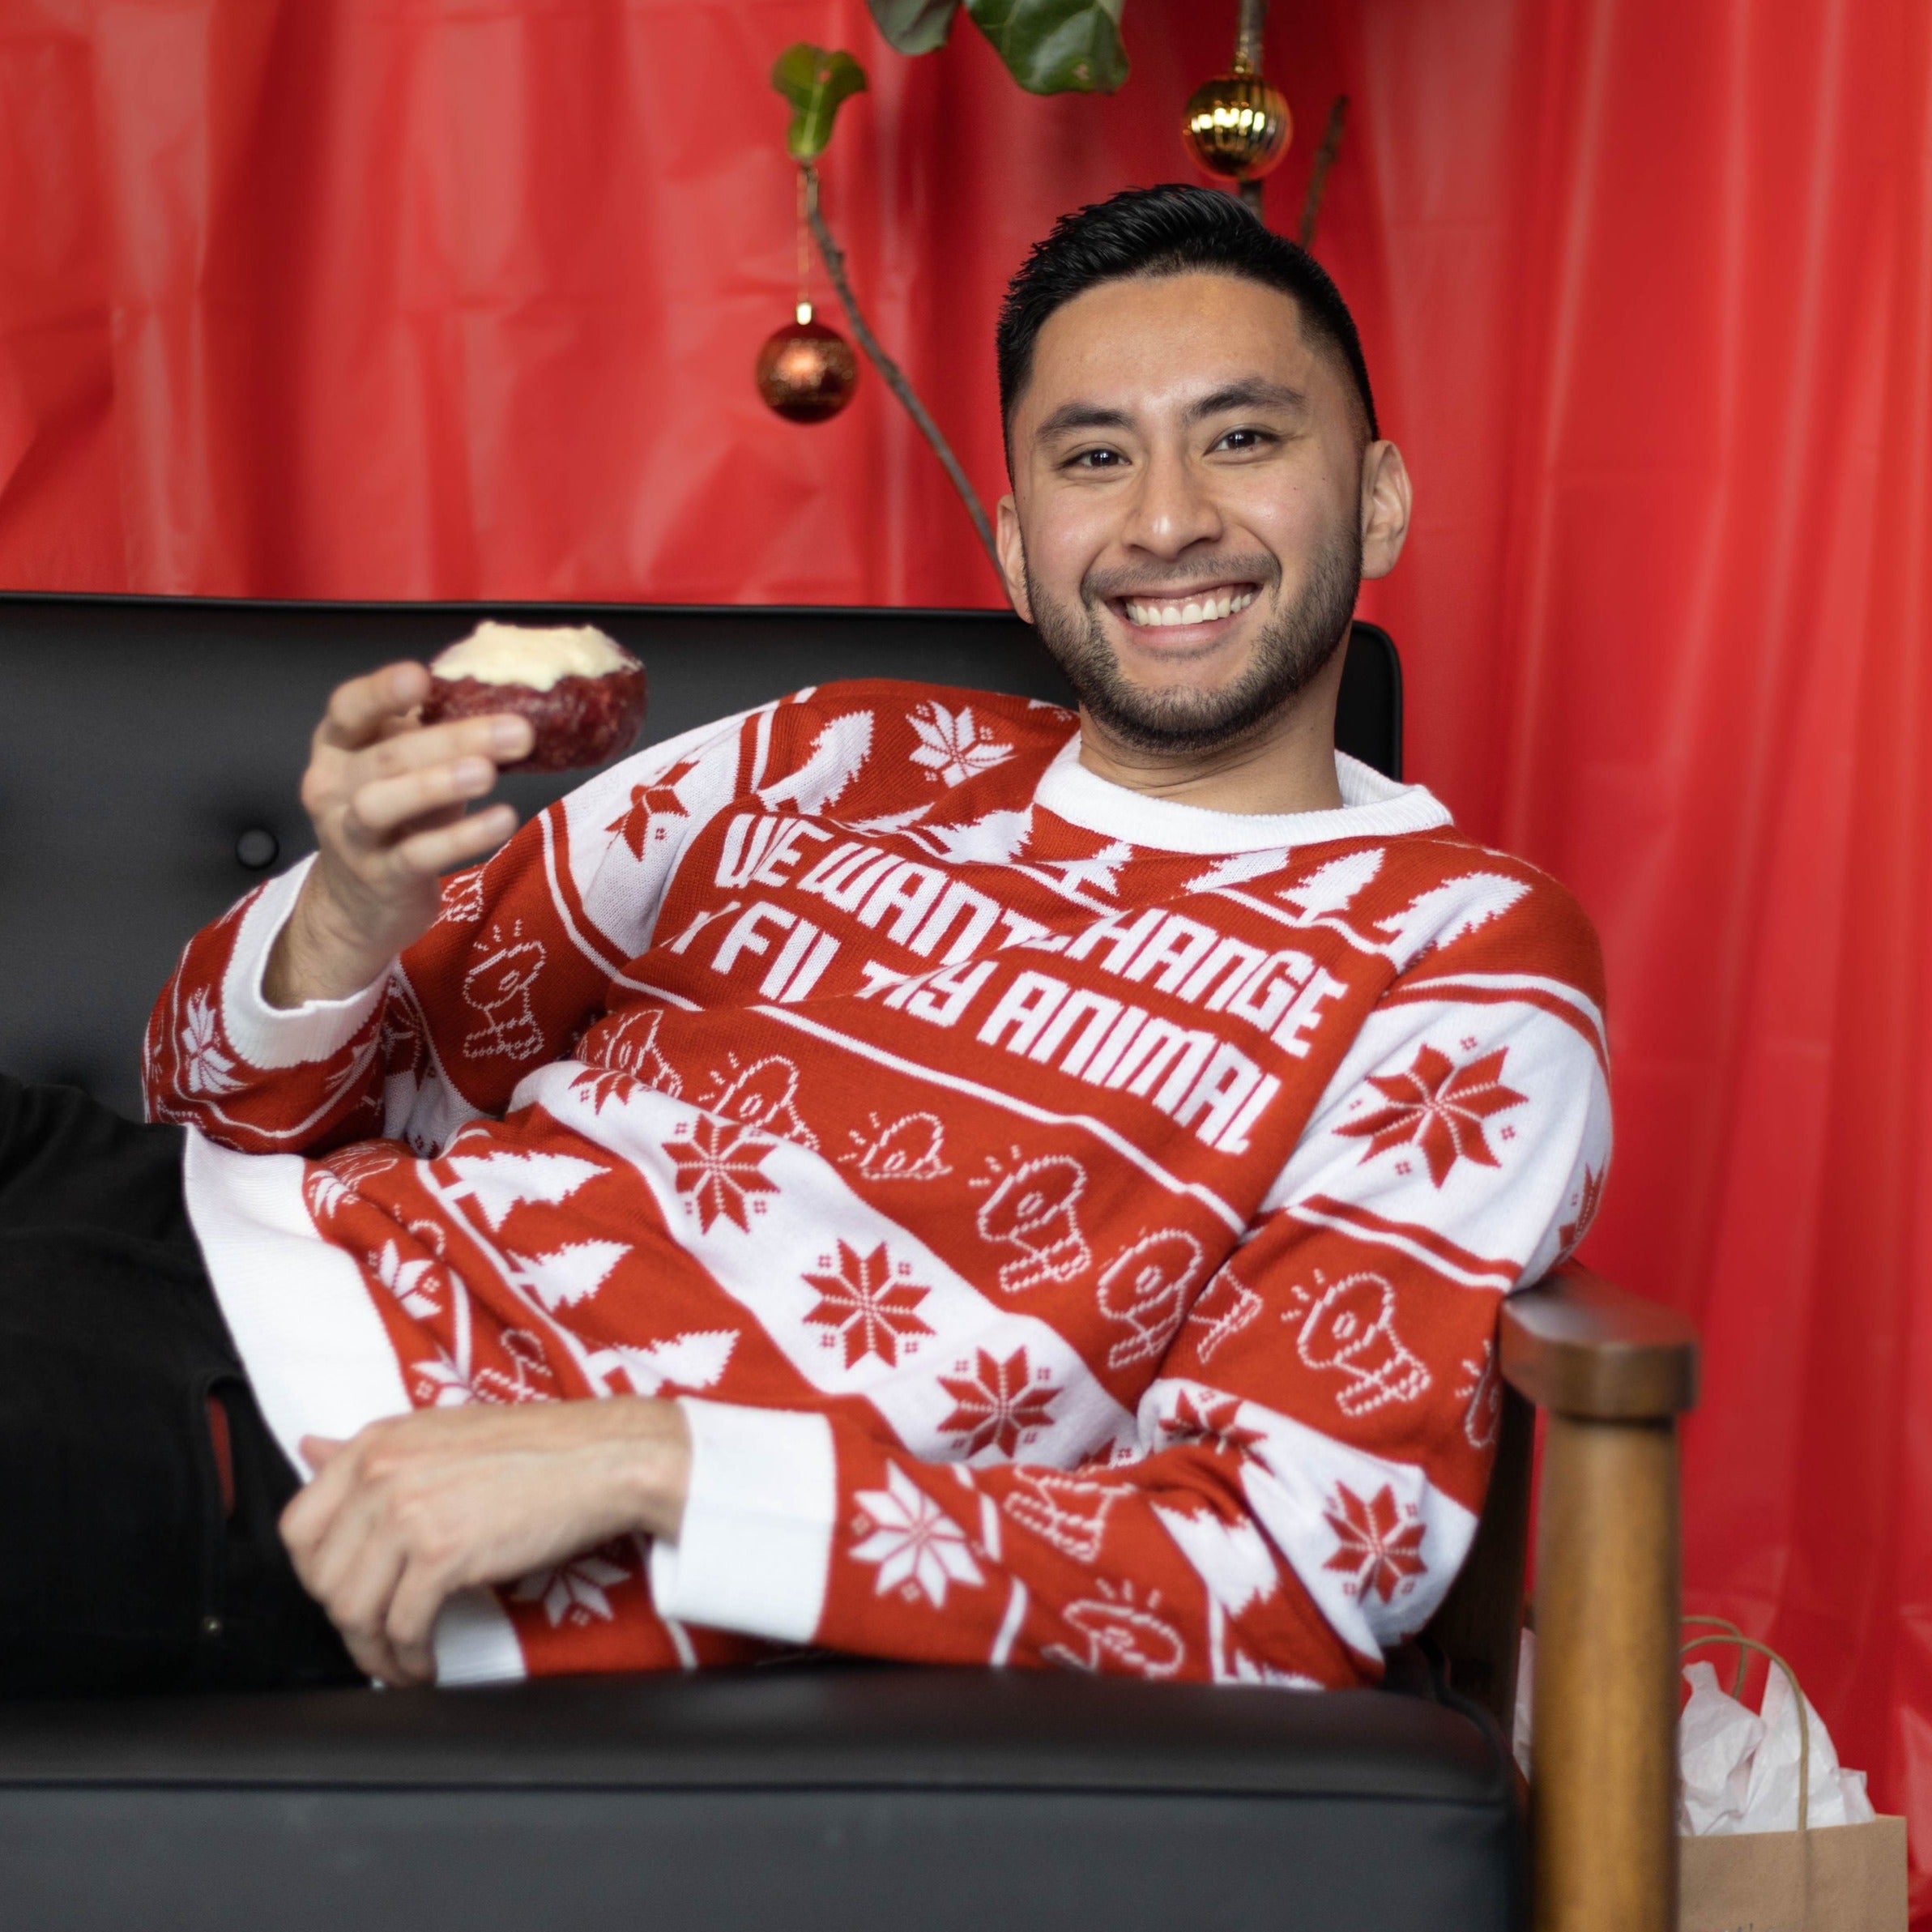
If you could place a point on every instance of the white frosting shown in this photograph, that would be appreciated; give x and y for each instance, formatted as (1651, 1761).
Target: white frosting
(533, 654)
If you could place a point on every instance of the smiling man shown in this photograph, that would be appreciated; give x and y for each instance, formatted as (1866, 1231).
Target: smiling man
(1021, 1188)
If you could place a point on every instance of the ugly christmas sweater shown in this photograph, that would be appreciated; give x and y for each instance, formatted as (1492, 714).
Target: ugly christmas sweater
(1074, 1222)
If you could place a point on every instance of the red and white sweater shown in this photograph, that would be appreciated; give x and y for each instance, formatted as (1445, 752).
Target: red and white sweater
(1074, 1222)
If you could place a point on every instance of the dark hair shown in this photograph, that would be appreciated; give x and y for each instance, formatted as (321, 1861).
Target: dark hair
(1167, 231)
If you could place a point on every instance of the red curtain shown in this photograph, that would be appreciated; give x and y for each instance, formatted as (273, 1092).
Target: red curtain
(459, 298)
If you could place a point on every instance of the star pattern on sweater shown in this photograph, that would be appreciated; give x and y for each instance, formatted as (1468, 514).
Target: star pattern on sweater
(1375, 1547)
(717, 1171)
(1439, 1107)
(997, 1405)
(862, 1303)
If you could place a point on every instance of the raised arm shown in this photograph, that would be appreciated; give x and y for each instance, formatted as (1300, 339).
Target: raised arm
(362, 993)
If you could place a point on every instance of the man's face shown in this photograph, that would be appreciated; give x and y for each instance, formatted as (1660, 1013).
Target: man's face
(1185, 527)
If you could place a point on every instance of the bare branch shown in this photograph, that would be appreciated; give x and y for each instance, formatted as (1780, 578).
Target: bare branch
(1318, 179)
(834, 259)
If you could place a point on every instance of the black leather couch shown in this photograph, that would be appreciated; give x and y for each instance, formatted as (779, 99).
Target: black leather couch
(149, 751)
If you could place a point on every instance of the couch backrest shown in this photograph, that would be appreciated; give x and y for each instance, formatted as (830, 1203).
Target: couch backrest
(150, 749)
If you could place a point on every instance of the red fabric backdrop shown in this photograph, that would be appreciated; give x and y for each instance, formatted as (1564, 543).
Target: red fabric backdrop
(458, 298)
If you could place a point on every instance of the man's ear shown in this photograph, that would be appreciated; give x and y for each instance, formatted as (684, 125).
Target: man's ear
(1012, 556)
(1387, 500)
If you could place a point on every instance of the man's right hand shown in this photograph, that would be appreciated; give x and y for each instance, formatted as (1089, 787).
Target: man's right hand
(388, 798)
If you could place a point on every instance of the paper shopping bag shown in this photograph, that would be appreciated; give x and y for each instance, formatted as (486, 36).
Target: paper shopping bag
(1839, 1879)
(1823, 1878)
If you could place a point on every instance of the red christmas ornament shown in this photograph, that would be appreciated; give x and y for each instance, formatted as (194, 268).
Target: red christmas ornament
(806, 373)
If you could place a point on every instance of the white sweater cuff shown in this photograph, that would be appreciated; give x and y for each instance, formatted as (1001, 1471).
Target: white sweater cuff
(754, 1545)
(270, 1037)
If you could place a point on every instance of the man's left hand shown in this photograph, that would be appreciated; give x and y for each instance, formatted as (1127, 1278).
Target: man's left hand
(419, 1507)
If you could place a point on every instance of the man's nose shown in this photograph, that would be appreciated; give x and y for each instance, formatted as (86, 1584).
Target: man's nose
(1173, 509)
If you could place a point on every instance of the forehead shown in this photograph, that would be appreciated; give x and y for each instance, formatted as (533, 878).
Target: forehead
(1142, 344)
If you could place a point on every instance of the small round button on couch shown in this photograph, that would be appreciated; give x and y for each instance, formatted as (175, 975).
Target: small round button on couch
(257, 849)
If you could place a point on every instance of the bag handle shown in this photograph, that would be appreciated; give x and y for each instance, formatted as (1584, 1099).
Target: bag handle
(1728, 1632)
(1731, 1629)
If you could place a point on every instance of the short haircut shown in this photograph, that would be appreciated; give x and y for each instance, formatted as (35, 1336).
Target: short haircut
(1168, 230)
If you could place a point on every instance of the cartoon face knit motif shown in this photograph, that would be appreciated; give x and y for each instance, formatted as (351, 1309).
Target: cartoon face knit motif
(1075, 1222)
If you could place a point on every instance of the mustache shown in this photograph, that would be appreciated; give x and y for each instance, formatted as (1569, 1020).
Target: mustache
(1260, 568)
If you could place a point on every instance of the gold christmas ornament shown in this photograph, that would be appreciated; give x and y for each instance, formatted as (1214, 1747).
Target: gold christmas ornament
(1238, 124)
(806, 372)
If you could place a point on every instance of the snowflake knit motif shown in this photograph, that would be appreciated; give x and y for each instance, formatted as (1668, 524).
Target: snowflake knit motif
(1377, 1549)
(1213, 1423)
(717, 1172)
(1573, 1231)
(952, 744)
(575, 1590)
(1439, 1107)
(206, 1069)
(919, 1548)
(996, 1403)
(861, 1302)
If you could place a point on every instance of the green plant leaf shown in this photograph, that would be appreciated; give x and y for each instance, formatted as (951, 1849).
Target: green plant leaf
(1056, 46)
(914, 26)
(815, 80)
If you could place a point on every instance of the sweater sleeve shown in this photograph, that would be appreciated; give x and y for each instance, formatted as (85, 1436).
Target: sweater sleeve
(517, 964)
(1311, 1458)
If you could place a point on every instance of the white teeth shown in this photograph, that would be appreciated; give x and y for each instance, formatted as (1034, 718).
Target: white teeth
(1200, 610)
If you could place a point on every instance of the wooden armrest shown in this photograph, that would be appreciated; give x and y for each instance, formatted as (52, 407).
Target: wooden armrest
(1613, 1373)
(1578, 1346)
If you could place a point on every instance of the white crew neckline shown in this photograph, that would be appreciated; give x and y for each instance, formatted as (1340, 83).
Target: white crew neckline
(1372, 807)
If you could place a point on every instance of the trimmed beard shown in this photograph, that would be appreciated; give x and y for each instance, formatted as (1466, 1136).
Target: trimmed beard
(1288, 656)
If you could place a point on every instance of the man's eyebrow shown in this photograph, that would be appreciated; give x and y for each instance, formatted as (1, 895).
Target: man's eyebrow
(1253, 394)
(1071, 416)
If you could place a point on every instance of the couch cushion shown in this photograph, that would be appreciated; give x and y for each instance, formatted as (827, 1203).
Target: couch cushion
(847, 1797)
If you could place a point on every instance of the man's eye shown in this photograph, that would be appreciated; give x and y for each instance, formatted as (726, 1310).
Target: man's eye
(1244, 439)
(1095, 459)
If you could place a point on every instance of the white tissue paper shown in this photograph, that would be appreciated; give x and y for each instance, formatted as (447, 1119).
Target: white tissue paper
(1740, 1772)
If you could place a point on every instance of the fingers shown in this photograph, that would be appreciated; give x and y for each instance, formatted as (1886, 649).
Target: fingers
(358, 1605)
(391, 787)
(358, 1539)
(501, 739)
(409, 1628)
(430, 854)
(360, 710)
(378, 808)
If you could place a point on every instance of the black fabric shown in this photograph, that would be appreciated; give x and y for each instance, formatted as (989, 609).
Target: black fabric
(120, 1569)
(837, 1797)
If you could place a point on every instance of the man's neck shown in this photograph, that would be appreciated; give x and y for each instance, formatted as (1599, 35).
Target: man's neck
(1286, 764)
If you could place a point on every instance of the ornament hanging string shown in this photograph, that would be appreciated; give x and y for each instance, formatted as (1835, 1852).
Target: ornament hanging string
(834, 259)
(804, 255)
